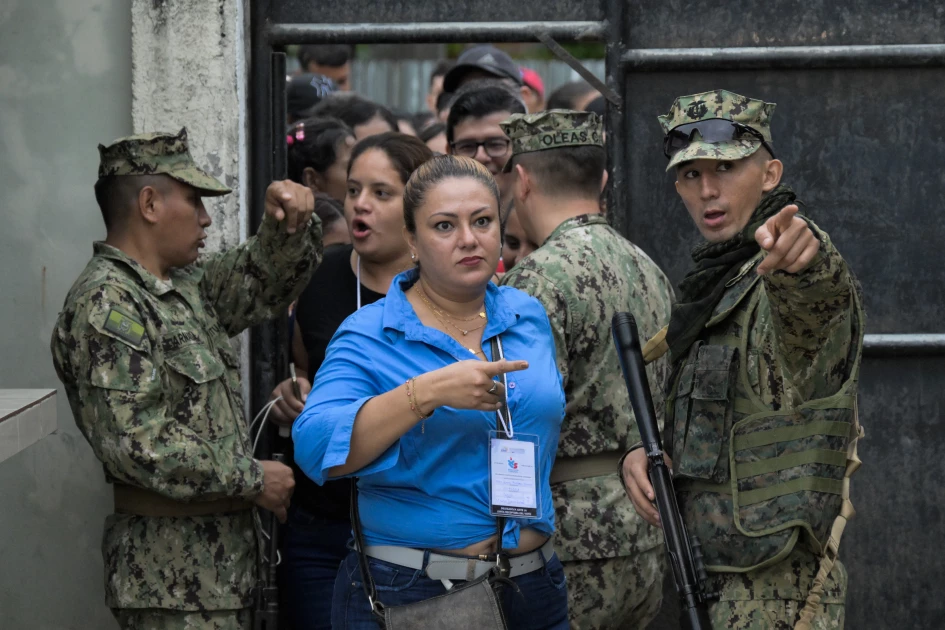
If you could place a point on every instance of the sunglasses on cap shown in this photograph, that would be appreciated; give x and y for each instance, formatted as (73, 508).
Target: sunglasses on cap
(712, 131)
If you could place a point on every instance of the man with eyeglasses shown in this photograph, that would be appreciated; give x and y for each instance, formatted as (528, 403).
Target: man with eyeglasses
(472, 128)
(766, 340)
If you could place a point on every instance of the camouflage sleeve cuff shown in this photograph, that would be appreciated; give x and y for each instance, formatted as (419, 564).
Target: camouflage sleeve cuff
(825, 276)
(810, 316)
(286, 247)
(251, 479)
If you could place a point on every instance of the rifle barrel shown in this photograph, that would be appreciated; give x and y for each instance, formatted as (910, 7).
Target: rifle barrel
(695, 614)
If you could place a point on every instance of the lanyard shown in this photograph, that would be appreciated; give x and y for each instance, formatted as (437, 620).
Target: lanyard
(358, 281)
(506, 426)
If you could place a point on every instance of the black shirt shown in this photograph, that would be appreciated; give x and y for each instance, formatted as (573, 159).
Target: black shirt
(330, 297)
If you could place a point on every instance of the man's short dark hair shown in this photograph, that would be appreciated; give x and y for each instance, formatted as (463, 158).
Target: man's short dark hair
(441, 68)
(568, 94)
(573, 172)
(481, 99)
(443, 101)
(353, 110)
(431, 131)
(116, 195)
(422, 120)
(331, 55)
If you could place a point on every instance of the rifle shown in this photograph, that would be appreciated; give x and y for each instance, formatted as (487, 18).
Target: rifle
(266, 610)
(685, 552)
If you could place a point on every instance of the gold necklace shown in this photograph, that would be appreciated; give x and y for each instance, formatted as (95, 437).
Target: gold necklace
(445, 323)
(441, 314)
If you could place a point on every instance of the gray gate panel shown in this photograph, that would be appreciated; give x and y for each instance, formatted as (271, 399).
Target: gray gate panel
(861, 147)
(892, 548)
(674, 24)
(397, 11)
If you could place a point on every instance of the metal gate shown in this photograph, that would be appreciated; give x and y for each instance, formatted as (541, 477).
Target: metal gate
(860, 87)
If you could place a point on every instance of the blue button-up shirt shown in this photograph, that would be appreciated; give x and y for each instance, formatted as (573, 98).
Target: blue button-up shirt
(431, 489)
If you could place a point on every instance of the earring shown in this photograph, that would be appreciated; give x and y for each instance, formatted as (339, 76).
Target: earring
(413, 256)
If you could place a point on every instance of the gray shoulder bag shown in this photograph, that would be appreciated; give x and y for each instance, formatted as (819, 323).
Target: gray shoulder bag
(472, 605)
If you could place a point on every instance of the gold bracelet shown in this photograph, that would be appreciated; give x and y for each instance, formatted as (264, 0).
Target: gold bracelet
(414, 406)
(423, 416)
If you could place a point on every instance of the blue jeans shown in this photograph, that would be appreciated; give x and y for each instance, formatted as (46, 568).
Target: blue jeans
(312, 549)
(541, 604)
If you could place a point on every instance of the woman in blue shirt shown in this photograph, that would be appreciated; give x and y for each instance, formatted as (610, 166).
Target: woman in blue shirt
(406, 399)
(314, 539)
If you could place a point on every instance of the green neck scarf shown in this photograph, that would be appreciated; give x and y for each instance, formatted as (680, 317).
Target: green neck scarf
(715, 265)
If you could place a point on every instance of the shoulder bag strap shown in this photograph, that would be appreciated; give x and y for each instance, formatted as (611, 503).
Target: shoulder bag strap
(370, 590)
(367, 580)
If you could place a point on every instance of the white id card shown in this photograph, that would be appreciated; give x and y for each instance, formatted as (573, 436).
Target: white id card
(513, 476)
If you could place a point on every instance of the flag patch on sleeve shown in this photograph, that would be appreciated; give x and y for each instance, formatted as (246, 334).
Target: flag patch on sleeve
(125, 327)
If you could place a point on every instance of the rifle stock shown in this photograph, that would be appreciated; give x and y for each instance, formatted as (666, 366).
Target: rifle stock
(685, 554)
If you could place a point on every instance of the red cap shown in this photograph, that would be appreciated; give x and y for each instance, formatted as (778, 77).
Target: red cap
(532, 80)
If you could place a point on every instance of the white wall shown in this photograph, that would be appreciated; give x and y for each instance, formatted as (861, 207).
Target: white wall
(188, 71)
(73, 74)
(65, 86)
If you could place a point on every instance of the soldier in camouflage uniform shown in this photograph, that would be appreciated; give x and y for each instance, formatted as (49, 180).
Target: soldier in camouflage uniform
(142, 347)
(766, 342)
(583, 273)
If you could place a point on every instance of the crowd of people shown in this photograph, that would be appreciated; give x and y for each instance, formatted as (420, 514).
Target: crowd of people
(456, 398)
(469, 100)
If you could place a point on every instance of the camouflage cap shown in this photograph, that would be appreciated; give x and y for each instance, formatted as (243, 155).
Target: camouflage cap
(157, 153)
(727, 106)
(552, 129)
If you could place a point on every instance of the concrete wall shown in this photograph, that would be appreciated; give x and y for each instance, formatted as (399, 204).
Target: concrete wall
(189, 70)
(65, 86)
(74, 73)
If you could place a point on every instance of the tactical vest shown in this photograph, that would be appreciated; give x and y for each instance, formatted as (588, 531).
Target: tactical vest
(751, 479)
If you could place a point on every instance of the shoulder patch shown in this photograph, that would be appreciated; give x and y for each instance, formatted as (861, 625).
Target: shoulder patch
(124, 326)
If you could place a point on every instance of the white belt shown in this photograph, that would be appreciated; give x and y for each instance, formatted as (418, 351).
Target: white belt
(444, 567)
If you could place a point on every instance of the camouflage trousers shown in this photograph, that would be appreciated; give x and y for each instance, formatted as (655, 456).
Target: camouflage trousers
(772, 598)
(163, 619)
(615, 593)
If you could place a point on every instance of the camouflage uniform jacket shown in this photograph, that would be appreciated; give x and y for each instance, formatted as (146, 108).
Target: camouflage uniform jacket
(154, 386)
(803, 326)
(801, 346)
(583, 274)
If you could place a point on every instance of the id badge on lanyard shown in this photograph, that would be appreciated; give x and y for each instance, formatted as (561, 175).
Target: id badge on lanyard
(513, 476)
(514, 468)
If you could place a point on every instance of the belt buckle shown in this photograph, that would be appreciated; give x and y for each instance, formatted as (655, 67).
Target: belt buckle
(503, 565)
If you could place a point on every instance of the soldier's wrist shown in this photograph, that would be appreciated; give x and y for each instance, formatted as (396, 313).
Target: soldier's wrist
(255, 480)
(623, 457)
